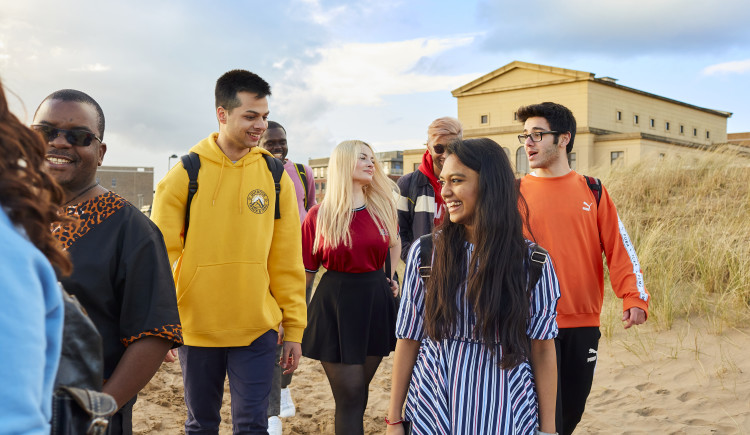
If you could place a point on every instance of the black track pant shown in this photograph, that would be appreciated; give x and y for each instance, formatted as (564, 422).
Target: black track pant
(576, 360)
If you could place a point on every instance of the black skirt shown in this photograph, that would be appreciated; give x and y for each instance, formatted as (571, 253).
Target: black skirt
(351, 316)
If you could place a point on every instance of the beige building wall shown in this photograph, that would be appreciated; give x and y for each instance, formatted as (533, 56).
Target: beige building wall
(135, 184)
(605, 113)
(606, 101)
(412, 159)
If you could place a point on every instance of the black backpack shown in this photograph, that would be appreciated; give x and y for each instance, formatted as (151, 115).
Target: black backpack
(537, 259)
(78, 404)
(595, 185)
(303, 177)
(192, 163)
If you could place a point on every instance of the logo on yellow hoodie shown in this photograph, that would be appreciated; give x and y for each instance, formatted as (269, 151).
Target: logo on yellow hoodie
(257, 201)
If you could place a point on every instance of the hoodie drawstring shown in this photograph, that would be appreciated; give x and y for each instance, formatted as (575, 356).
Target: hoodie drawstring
(216, 191)
(242, 183)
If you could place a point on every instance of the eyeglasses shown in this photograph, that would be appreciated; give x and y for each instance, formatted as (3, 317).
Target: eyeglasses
(439, 149)
(81, 138)
(535, 136)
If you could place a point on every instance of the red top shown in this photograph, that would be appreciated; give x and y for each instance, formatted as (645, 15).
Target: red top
(368, 252)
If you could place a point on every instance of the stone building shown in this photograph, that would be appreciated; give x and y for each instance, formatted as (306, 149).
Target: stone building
(616, 124)
(134, 183)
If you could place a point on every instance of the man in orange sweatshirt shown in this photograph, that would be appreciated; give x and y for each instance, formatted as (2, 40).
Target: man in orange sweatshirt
(567, 218)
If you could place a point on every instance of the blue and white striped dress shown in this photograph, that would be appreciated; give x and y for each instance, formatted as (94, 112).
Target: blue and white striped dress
(457, 386)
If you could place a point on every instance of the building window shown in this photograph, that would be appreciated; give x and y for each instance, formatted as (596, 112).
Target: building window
(572, 161)
(484, 119)
(522, 164)
(619, 115)
(635, 119)
(515, 116)
(652, 123)
(114, 182)
(416, 167)
(682, 129)
(666, 126)
(616, 157)
(708, 135)
(695, 132)
(507, 152)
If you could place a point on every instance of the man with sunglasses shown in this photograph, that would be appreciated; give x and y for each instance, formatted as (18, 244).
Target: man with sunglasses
(121, 273)
(420, 206)
(576, 223)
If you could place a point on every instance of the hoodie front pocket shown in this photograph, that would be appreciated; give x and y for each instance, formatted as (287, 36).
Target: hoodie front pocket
(225, 296)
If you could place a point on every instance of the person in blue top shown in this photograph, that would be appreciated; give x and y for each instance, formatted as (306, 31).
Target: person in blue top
(31, 314)
(475, 348)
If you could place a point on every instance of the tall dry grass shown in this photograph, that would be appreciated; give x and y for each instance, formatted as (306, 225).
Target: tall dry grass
(690, 222)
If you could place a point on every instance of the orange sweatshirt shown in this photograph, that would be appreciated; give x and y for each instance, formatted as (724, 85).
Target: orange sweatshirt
(565, 220)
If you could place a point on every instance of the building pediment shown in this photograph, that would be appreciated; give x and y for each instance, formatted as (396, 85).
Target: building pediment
(518, 75)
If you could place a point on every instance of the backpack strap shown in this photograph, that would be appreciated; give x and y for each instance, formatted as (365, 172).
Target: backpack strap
(303, 177)
(537, 259)
(277, 170)
(595, 185)
(425, 244)
(192, 163)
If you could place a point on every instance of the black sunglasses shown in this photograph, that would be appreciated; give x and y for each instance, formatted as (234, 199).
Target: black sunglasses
(81, 138)
(439, 149)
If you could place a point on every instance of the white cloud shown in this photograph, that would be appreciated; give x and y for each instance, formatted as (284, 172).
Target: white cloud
(96, 67)
(362, 74)
(734, 67)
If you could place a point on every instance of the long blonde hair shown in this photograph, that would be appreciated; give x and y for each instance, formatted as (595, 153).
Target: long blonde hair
(335, 212)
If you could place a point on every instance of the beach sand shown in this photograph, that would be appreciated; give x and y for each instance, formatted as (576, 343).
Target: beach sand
(686, 380)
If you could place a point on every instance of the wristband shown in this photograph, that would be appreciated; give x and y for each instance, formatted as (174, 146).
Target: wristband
(538, 432)
(393, 423)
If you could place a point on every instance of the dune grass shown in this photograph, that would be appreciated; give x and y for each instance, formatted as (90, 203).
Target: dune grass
(690, 222)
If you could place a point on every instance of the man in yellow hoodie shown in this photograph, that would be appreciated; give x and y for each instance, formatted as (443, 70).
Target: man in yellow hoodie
(239, 273)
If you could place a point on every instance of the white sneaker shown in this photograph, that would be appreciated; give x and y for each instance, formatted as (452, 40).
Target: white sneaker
(286, 404)
(274, 425)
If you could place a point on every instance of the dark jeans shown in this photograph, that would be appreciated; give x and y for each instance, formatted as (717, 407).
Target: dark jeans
(250, 370)
(279, 381)
(576, 360)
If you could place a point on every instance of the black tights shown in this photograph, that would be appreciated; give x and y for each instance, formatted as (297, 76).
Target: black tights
(350, 384)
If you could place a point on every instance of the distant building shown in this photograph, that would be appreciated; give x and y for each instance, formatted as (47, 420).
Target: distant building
(392, 161)
(134, 183)
(616, 124)
(739, 142)
(412, 159)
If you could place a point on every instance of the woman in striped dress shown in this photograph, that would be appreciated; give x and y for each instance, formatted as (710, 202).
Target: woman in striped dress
(475, 346)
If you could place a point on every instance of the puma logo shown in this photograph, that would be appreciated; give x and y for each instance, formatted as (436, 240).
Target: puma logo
(587, 206)
(591, 358)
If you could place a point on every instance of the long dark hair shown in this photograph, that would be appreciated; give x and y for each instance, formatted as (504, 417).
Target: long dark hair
(30, 196)
(496, 279)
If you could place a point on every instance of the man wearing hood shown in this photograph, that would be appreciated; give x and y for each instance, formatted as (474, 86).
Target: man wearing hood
(420, 206)
(240, 273)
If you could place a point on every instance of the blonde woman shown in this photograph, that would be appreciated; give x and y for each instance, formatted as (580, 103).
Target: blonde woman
(353, 232)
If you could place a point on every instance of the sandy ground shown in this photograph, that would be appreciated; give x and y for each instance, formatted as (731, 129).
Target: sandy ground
(682, 381)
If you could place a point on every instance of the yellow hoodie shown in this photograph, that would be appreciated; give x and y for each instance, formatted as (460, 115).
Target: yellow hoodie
(240, 273)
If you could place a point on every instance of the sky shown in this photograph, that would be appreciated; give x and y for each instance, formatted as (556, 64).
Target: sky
(376, 71)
